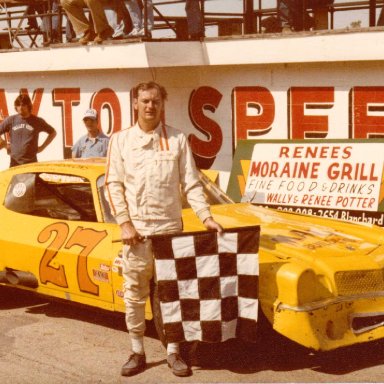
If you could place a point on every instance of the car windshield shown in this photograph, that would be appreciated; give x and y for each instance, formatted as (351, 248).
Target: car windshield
(213, 194)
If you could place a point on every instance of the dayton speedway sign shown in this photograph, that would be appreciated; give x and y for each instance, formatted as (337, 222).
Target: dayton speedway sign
(214, 118)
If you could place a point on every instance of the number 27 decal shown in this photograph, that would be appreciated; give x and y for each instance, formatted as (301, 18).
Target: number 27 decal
(86, 238)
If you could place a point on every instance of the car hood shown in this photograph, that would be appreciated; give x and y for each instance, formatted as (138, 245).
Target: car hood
(324, 243)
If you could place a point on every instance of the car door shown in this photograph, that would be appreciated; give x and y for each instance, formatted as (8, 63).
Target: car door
(49, 229)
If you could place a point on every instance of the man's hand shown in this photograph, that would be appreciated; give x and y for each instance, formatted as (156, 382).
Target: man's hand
(3, 143)
(129, 235)
(47, 141)
(212, 224)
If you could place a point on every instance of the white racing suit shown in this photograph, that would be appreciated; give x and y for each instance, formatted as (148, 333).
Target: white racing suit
(145, 174)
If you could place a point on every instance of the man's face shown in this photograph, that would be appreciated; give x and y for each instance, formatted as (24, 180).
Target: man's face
(23, 110)
(149, 106)
(92, 127)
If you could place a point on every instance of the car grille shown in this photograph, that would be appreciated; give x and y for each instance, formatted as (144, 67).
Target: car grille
(365, 322)
(355, 282)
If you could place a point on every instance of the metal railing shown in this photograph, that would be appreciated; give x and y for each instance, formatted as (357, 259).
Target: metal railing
(249, 20)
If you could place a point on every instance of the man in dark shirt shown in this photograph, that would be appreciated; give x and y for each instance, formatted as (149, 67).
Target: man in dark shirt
(24, 129)
(294, 14)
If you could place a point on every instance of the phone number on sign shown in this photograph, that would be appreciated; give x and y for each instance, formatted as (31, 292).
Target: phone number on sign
(355, 216)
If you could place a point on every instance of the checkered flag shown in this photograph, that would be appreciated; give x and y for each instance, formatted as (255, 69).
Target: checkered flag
(208, 284)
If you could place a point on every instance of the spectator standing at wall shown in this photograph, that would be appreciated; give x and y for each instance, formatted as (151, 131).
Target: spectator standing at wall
(55, 30)
(31, 11)
(70, 34)
(97, 31)
(24, 129)
(136, 15)
(194, 19)
(94, 143)
(293, 14)
(48, 25)
(52, 34)
(118, 18)
(380, 21)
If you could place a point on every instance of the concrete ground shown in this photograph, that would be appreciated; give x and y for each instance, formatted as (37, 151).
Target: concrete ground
(53, 342)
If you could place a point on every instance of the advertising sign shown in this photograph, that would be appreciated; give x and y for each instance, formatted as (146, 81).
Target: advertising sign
(330, 178)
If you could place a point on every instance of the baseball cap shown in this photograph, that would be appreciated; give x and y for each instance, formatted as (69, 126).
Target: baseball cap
(90, 114)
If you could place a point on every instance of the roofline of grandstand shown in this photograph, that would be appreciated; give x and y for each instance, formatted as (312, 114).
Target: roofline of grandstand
(363, 44)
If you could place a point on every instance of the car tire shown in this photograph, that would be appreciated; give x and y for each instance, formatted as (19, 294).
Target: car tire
(156, 312)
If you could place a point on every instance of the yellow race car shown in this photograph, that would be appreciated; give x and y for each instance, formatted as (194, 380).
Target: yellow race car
(321, 281)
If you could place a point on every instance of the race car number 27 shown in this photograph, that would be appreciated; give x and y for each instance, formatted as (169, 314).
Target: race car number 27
(60, 239)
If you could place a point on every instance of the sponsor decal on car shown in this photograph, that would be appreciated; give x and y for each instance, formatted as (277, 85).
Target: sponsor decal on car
(117, 266)
(19, 190)
(100, 275)
(105, 267)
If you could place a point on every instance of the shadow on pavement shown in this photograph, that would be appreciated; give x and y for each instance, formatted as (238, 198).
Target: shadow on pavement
(11, 298)
(271, 352)
(277, 353)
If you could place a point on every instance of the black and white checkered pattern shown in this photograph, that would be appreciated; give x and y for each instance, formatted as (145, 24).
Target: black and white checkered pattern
(208, 284)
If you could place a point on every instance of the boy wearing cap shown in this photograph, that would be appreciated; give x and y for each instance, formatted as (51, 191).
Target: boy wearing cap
(94, 143)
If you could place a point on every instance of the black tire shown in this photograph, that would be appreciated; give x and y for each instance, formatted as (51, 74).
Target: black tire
(156, 312)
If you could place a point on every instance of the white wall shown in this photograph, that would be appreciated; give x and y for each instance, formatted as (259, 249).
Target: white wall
(338, 61)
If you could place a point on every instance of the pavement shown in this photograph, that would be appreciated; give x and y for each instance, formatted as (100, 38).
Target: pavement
(44, 341)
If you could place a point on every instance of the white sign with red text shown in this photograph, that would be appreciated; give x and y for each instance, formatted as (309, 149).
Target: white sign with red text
(324, 175)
